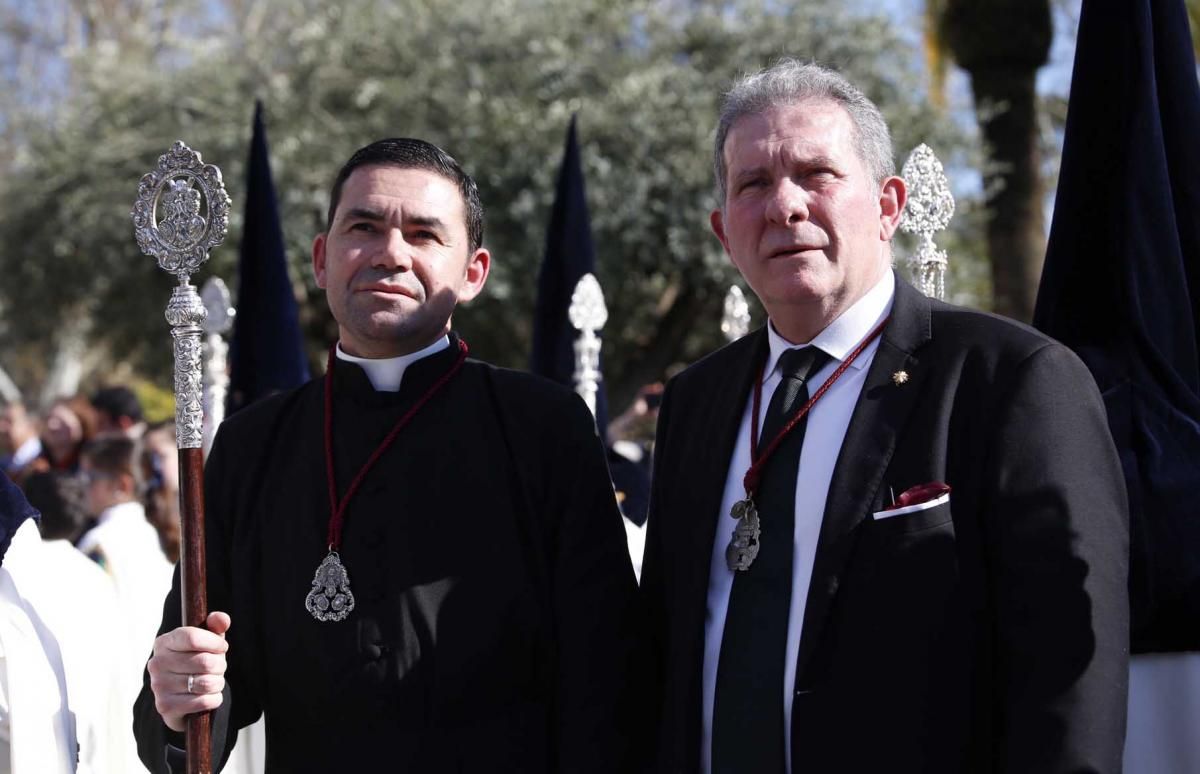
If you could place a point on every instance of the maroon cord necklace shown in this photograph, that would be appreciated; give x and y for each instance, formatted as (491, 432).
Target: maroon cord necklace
(330, 598)
(744, 545)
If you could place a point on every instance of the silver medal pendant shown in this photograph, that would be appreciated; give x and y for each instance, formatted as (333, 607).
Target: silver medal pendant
(744, 545)
(330, 598)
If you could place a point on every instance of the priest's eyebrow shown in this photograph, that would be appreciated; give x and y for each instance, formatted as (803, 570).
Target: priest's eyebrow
(376, 216)
(363, 213)
(425, 221)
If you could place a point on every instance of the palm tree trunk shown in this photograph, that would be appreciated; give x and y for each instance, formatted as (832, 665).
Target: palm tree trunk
(1006, 107)
(1002, 44)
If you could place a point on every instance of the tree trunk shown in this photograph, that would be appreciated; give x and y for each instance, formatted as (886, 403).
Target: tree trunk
(1002, 44)
(660, 352)
(1016, 229)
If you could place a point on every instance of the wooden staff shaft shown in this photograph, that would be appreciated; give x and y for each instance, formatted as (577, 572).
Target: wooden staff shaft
(193, 587)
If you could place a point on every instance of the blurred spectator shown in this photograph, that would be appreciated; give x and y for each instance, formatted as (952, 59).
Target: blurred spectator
(118, 410)
(19, 444)
(37, 727)
(632, 433)
(69, 423)
(631, 438)
(75, 599)
(62, 500)
(125, 544)
(160, 469)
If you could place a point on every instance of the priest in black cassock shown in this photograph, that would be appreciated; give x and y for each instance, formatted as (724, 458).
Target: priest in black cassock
(417, 559)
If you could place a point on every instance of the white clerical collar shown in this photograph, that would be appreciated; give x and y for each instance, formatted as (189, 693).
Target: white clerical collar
(842, 335)
(385, 373)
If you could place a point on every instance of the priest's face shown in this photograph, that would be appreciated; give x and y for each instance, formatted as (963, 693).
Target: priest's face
(396, 260)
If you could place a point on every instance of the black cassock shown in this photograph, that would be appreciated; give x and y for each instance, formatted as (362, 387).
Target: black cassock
(495, 623)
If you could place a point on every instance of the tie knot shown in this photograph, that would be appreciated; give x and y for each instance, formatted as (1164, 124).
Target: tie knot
(802, 363)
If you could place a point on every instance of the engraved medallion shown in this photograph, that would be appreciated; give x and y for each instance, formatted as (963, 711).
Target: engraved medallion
(330, 598)
(743, 547)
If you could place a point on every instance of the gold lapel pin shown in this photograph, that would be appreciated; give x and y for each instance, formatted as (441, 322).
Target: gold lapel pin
(900, 377)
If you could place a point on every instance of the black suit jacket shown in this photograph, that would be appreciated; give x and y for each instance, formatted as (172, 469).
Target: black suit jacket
(987, 634)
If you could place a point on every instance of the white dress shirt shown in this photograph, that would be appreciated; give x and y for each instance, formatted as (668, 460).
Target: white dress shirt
(387, 372)
(827, 424)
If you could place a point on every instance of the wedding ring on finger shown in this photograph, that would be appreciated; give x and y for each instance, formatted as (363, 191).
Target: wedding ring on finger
(191, 683)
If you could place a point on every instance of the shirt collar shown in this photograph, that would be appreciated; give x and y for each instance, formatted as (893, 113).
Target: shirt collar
(386, 373)
(842, 335)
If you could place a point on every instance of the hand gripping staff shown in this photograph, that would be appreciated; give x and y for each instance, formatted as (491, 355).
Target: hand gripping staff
(182, 212)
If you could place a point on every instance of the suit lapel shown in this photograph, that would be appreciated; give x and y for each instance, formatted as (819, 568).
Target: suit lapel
(721, 414)
(879, 416)
(716, 413)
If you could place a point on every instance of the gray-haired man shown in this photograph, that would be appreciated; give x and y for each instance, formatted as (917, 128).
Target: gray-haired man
(926, 567)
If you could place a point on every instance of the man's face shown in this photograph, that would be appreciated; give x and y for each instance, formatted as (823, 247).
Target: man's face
(803, 221)
(395, 261)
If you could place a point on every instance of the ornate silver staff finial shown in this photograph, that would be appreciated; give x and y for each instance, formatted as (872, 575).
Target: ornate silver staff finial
(217, 322)
(930, 207)
(735, 322)
(182, 212)
(588, 314)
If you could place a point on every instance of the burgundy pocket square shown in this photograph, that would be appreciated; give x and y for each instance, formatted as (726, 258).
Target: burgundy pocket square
(921, 493)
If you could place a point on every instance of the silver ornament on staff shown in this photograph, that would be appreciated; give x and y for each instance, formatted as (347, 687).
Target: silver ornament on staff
(587, 314)
(218, 321)
(929, 209)
(182, 212)
(735, 321)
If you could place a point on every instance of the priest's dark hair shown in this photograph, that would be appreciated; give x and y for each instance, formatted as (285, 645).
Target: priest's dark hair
(410, 153)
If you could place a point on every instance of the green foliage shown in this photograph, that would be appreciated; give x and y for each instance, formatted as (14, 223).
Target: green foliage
(158, 404)
(492, 81)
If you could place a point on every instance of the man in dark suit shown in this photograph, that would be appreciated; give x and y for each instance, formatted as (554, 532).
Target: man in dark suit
(926, 570)
(472, 605)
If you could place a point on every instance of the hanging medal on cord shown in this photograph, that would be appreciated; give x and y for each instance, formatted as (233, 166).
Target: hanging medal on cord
(744, 545)
(330, 598)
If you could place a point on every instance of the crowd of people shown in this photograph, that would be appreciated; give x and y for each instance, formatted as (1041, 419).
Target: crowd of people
(100, 560)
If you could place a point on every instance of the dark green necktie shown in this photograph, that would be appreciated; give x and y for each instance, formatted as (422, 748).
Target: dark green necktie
(748, 734)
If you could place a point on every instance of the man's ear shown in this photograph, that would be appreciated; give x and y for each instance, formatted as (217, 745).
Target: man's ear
(478, 266)
(716, 219)
(318, 259)
(893, 194)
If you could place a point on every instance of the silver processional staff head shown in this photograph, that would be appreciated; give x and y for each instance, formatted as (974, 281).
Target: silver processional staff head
(181, 211)
(735, 321)
(929, 209)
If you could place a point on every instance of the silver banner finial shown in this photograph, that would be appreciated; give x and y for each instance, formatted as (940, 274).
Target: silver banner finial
(929, 209)
(217, 322)
(587, 314)
(182, 212)
(735, 322)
